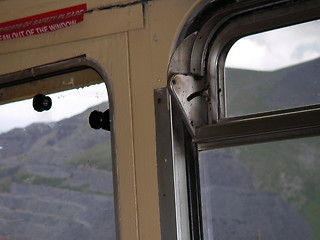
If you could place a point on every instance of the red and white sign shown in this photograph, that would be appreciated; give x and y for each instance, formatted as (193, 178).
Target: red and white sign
(42, 23)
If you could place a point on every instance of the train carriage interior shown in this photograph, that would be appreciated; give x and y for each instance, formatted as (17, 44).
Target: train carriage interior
(160, 119)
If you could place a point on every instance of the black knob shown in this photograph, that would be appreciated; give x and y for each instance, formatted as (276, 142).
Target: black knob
(99, 120)
(41, 103)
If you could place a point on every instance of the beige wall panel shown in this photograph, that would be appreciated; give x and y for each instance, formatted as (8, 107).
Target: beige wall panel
(111, 54)
(165, 19)
(95, 24)
(144, 141)
(14, 9)
(149, 56)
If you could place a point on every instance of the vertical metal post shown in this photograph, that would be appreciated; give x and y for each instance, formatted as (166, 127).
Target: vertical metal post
(172, 180)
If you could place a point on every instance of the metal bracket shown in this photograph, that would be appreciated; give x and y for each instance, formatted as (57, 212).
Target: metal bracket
(190, 92)
(192, 97)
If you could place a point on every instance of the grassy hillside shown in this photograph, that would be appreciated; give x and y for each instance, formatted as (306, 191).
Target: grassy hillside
(98, 157)
(289, 169)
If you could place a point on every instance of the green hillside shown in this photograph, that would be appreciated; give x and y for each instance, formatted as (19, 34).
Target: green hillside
(247, 91)
(98, 157)
(289, 169)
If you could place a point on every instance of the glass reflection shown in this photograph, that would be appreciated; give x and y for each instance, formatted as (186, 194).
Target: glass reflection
(262, 191)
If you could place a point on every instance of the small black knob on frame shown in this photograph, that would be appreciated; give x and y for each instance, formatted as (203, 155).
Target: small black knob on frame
(99, 120)
(41, 103)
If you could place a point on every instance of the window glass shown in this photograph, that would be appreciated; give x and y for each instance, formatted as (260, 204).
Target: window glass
(274, 70)
(262, 191)
(55, 170)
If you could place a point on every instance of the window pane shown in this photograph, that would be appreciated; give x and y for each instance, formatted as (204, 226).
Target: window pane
(55, 170)
(263, 191)
(274, 70)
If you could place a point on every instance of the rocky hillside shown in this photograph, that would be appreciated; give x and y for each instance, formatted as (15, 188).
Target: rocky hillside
(56, 182)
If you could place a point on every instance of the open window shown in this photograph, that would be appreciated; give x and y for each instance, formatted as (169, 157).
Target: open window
(255, 129)
(273, 70)
(56, 178)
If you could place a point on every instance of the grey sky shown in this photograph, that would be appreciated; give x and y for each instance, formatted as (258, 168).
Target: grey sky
(277, 49)
(64, 104)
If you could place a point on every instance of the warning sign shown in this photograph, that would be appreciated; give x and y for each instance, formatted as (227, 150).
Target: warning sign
(42, 23)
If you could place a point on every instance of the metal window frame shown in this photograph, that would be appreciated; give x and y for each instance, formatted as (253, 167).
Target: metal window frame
(177, 164)
(252, 22)
(197, 64)
(268, 126)
(199, 55)
(261, 127)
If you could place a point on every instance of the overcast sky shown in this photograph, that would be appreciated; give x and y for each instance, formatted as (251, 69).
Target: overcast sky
(64, 104)
(276, 49)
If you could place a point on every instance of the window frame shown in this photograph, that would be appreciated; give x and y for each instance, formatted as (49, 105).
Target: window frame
(204, 42)
(260, 127)
(177, 165)
(269, 126)
(67, 66)
(252, 22)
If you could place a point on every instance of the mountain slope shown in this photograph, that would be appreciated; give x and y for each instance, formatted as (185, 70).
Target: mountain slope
(56, 181)
(285, 173)
(257, 91)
